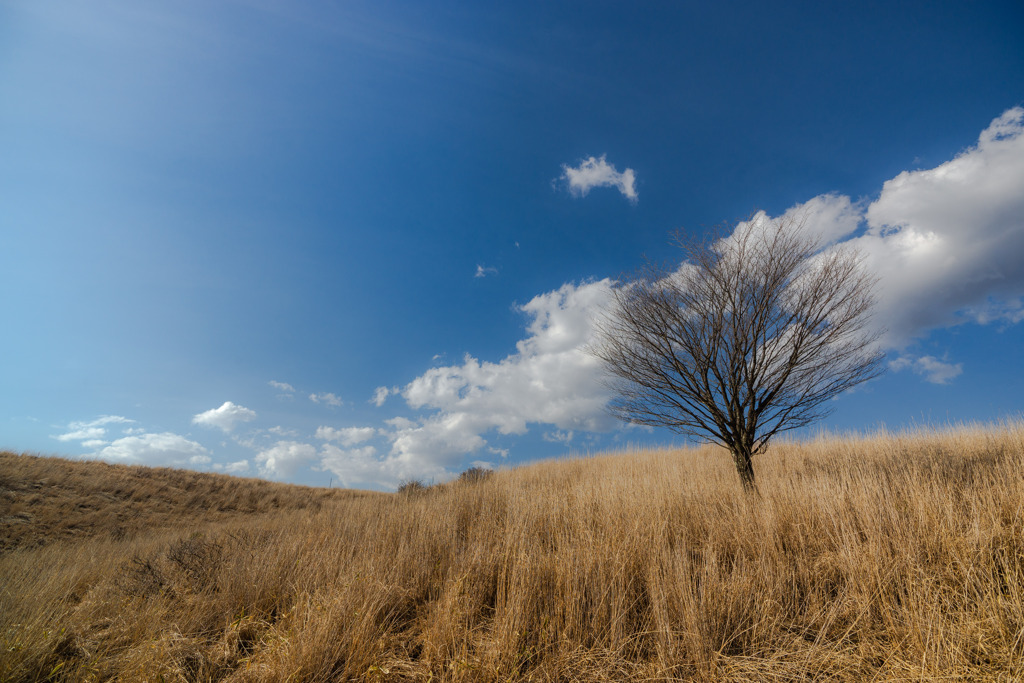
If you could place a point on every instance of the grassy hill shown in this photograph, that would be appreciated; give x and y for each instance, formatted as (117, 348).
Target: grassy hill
(891, 557)
(48, 500)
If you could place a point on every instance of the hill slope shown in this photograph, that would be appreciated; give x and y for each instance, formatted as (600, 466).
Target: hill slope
(45, 500)
(893, 557)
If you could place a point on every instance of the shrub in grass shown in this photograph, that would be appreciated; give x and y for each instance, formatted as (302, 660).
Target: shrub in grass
(412, 487)
(475, 475)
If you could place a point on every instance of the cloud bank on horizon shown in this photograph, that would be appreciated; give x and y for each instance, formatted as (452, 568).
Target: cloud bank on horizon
(945, 244)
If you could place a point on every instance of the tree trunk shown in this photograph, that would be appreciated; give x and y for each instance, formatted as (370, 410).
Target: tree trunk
(745, 468)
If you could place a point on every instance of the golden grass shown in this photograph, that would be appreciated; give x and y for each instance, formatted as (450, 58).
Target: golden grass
(888, 557)
(46, 500)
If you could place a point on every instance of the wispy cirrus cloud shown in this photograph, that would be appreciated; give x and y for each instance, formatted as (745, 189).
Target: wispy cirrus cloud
(597, 172)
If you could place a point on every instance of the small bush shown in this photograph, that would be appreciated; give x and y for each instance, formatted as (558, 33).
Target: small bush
(475, 475)
(142, 577)
(412, 487)
(197, 560)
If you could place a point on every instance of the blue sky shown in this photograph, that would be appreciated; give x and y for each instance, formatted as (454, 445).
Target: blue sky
(361, 242)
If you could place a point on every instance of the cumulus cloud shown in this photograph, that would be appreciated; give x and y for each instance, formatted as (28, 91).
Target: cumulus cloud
(357, 467)
(945, 243)
(830, 217)
(381, 394)
(597, 172)
(325, 398)
(931, 368)
(484, 271)
(424, 449)
(558, 436)
(354, 463)
(224, 418)
(237, 467)
(550, 380)
(348, 436)
(165, 449)
(90, 433)
(93, 432)
(285, 458)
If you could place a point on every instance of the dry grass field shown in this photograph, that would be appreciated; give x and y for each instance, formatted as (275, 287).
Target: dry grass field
(893, 557)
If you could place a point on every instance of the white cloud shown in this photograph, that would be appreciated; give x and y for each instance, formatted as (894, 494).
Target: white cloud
(484, 271)
(424, 449)
(399, 422)
(237, 467)
(830, 217)
(934, 370)
(348, 436)
(91, 431)
(550, 380)
(593, 172)
(945, 243)
(559, 436)
(225, 418)
(282, 386)
(328, 399)
(82, 433)
(285, 458)
(381, 394)
(281, 431)
(165, 449)
(357, 467)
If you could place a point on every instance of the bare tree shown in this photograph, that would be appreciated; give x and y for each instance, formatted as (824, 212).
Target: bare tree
(752, 335)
